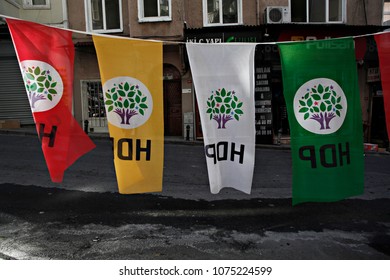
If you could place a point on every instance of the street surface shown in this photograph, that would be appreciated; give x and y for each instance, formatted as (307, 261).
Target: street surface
(85, 217)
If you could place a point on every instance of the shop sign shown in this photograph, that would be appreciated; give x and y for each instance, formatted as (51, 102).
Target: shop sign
(304, 35)
(307, 35)
(225, 37)
(373, 75)
(263, 103)
(204, 40)
(308, 38)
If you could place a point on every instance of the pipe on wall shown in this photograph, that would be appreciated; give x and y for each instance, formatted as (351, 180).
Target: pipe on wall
(65, 20)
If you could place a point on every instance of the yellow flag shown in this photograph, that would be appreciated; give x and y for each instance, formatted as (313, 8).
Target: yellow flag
(131, 72)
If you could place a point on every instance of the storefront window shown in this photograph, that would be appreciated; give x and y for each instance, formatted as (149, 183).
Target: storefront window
(94, 110)
(222, 12)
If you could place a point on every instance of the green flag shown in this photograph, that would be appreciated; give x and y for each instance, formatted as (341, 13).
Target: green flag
(323, 105)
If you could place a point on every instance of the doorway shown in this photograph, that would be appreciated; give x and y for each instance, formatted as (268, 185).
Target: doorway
(378, 123)
(173, 119)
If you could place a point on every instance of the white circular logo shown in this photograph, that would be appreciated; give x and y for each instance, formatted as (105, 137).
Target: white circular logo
(128, 102)
(43, 84)
(320, 106)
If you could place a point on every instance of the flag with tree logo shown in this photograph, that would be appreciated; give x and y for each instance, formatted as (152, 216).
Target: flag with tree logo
(224, 84)
(46, 57)
(131, 72)
(323, 104)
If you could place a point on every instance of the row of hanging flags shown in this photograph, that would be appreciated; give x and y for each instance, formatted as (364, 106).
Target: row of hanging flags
(320, 88)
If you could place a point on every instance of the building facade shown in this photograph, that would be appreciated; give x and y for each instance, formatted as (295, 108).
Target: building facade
(293, 20)
(159, 20)
(215, 21)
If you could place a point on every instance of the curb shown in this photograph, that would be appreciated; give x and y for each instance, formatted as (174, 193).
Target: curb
(18, 132)
(105, 137)
(178, 141)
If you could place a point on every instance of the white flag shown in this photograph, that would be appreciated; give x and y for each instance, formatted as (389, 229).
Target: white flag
(224, 84)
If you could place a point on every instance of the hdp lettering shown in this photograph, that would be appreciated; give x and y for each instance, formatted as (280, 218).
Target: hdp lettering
(51, 135)
(330, 155)
(126, 148)
(220, 152)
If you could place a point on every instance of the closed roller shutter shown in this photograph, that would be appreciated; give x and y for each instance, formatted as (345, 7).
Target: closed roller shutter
(13, 98)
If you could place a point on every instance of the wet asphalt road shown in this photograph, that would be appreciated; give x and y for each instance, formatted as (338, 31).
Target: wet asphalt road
(85, 218)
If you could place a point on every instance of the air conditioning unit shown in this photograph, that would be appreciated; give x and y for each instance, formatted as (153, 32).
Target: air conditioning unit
(277, 14)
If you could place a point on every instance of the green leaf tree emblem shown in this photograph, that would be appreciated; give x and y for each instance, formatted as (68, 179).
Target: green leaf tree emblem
(224, 106)
(322, 104)
(126, 100)
(39, 84)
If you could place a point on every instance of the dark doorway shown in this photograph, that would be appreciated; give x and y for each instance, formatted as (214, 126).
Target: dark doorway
(173, 124)
(198, 129)
(378, 123)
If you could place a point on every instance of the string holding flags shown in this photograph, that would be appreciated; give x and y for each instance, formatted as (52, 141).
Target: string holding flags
(323, 108)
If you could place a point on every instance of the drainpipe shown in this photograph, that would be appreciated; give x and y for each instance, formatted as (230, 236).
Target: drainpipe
(65, 14)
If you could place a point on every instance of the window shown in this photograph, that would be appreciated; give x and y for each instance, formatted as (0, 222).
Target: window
(222, 12)
(318, 11)
(386, 12)
(93, 105)
(36, 4)
(104, 16)
(154, 10)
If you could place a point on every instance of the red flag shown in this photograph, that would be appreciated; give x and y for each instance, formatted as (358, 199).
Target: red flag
(383, 45)
(46, 57)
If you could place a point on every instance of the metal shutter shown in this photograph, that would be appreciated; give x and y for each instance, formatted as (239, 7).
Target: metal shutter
(13, 98)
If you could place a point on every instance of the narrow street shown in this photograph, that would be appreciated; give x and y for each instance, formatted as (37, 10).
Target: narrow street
(85, 217)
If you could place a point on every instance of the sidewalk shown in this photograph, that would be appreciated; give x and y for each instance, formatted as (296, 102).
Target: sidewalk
(31, 131)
